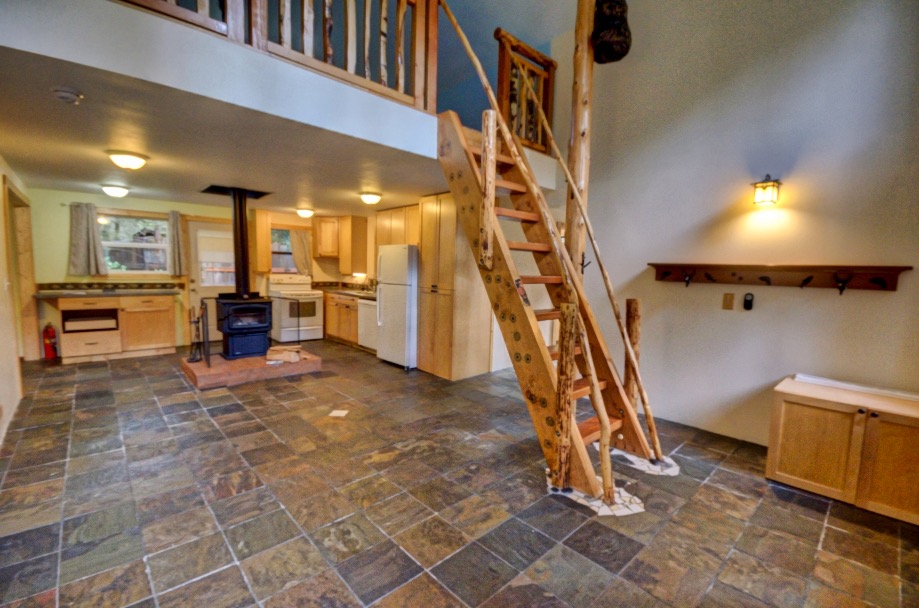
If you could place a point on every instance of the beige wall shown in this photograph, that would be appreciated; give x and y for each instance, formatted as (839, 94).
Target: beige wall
(10, 379)
(823, 94)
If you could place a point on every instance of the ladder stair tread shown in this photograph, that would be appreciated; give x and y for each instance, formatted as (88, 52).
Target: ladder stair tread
(504, 159)
(547, 314)
(582, 387)
(516, 214)
(554, 354)
(541, 279)
(506, 184)
(590, 428)
(528, 246)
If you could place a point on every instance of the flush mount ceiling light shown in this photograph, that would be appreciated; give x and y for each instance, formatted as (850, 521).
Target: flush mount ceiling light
(103, 220)
(766, 192)
(307, 213)
(371, 198)
(68, 95)
(127, 160)
(115, 191)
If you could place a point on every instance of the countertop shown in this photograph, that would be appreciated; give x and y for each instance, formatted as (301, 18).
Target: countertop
(355, 293)
(54, 294)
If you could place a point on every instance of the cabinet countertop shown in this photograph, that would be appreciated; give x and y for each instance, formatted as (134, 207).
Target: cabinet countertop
(96, 293)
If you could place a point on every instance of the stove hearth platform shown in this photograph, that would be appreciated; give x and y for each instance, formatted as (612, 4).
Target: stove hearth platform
(223, 372)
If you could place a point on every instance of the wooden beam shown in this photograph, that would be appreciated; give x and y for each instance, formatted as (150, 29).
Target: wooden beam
(633, 328)
(384, 33)
(579, 140)
(401, 7)
(564, 406)
(489, 167)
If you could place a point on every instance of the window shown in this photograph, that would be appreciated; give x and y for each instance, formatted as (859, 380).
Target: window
(282, 260)
(135, 244)
(215, 258)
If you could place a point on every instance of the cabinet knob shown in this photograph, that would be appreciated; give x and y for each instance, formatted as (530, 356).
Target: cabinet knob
(861, 411)
(874, 414)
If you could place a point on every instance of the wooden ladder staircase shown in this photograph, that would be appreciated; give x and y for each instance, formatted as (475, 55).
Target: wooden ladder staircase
(500, 191)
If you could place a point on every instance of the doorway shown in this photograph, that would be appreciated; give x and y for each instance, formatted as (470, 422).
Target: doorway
(212, 270)
(21, 268)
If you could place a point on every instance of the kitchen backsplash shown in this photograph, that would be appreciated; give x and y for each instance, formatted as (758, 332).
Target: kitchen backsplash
(107, 285)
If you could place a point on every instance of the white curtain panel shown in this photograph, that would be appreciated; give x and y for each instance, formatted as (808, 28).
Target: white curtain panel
(300, 250)
(86, 256)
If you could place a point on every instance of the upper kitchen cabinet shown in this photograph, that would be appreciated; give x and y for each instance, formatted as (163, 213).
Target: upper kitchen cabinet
(438, 242)
(399, 226)
(352, 244)
(325, 237)
(260, 241)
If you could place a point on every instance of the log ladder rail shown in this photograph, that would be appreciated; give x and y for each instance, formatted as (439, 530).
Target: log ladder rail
(551, 377)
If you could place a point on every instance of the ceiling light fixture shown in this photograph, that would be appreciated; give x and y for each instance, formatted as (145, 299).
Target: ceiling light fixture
(127, 160)
(766, 192)
(306, 213)
(68, 95)
(103, 220)
(371, 198)
(115, 191)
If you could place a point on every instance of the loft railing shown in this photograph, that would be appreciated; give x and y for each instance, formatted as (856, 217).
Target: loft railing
(518, 63)
(388, 47)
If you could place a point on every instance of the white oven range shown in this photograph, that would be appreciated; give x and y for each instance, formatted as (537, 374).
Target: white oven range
(296, 308)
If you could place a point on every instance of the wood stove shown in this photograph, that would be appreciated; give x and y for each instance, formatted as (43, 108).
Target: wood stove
(243, 317)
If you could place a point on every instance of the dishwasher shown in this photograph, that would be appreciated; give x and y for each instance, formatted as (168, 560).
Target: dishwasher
(367, 324)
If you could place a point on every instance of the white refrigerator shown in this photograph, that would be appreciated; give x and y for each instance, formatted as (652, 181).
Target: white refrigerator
(397, 305)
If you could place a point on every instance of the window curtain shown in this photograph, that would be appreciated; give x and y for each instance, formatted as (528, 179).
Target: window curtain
(86, 255)
(177, 245)
(300, 251)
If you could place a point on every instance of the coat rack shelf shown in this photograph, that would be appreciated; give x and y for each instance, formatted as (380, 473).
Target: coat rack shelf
(878, 278)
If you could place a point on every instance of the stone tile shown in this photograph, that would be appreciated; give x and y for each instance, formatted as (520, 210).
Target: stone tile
(773, 585)
(189, 561)
(552, 518)
(715, 442)
(268, 453)
(729, 503)
(45, 599)
(872, 526)
(621, 593)
(822, 597)
(320, 510)
(440, 493)
(26, 518)
(398, 513)
(570, 576)
(873, 586)
(411, 473)
(31, 495)
(29, 544)
(323, 590)
(28, 578)
(517, 543)
(168, 503)
(98, 541)
(770, 516)
(474, 574)
(421, 591)
(346, 538)
(431, 541)
(369, 491)
(475, 515)
(282, 469)
(177, 529)
(277, 568)
(724, 596)
(738, 484)
(879, 556)
(260, 533)
(778, 549)
(604, 546)
(377, 571)
(796, 501)
(237, 509)
(97, 499)
(223, 589)
(641, 527)
(702, 454)
(708, 522)
(121, 586)
(524, 593)
(30, 475)
(518, 491)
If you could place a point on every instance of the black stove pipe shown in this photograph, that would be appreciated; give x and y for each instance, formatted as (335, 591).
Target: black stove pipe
(241, 241)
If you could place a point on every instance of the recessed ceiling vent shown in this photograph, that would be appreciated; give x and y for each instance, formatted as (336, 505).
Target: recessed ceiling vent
(68, 95)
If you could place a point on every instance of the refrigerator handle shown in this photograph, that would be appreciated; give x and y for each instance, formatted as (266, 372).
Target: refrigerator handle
(379, 267)
(379, 306)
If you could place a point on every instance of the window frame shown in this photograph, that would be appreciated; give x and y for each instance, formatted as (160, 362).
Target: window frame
(139, 215)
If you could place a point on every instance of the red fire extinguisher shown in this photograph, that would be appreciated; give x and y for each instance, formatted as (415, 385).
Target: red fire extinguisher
(50, 339)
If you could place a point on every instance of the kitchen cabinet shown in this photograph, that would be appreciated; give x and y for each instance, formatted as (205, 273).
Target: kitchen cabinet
(454, 316)
(147, 322)
(260, 241)
(325, 237)
(399, 226)
(846, 442)
(352, 245)
(341, 317)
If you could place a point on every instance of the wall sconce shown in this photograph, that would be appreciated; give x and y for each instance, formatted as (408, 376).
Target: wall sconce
(371, 198)
(127, 160)
(766, 192)
(305, 213)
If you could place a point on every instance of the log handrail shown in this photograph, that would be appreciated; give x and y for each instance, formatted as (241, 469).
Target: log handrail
(355, 55)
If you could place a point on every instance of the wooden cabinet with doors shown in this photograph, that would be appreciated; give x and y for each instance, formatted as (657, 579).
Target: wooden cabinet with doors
(341, 317)
(147, 322)
(325, 237)
(399, 226)
(849, 443)
(352, 244)
(260, 241)
(454, 317)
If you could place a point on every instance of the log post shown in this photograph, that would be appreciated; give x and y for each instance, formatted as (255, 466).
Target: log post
(633, 329)
(567, 340)
(579, 139)
(489, 168)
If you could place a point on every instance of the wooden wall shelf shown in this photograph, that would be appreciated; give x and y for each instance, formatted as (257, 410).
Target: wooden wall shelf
(878, 278)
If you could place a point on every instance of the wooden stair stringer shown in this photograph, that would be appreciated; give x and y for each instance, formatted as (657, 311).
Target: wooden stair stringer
(615, 399)
(530, 356)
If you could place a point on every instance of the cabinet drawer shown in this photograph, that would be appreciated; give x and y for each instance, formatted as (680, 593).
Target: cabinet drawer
(87, 303)
(146, 302)
(90, 343)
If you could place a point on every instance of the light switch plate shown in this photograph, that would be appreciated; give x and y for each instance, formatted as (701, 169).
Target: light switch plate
(727, 301)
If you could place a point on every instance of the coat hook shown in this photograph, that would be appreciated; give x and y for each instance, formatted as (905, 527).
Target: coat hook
(807, 281)
(841, 283)
(766, 279)
(687, 277)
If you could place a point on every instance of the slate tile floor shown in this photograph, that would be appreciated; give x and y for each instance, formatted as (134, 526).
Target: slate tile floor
(122, 486)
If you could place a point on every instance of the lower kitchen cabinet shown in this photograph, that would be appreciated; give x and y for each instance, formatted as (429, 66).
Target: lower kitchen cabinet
(341, 317)
(848, 443)
(147, 322)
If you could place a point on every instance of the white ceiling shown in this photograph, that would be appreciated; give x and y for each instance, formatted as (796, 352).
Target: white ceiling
(194, 141)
